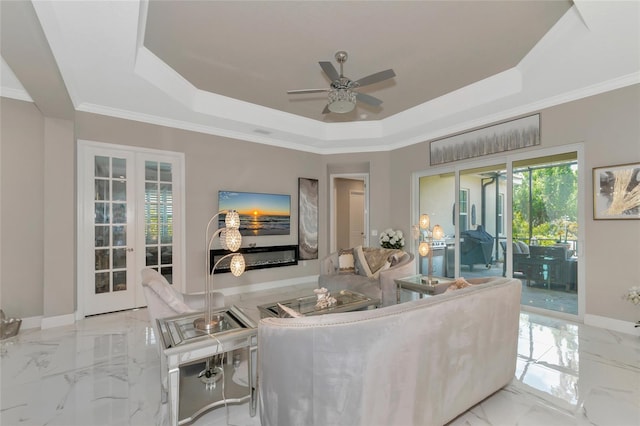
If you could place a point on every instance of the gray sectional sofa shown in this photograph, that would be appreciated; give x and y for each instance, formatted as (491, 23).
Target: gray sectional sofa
(418, 363)
(379, 286)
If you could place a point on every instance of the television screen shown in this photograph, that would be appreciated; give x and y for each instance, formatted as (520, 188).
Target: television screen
(260, 214)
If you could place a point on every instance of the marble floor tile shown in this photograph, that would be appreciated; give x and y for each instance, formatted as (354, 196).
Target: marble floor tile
(105, 370)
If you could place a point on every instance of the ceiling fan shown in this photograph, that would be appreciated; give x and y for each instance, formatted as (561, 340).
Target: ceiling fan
(342, 93)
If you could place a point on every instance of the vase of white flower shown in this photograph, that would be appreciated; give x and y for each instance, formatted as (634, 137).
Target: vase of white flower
(633, 296)
(391, 239)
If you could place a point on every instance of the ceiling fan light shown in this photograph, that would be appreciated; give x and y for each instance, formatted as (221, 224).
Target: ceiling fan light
(342, 101)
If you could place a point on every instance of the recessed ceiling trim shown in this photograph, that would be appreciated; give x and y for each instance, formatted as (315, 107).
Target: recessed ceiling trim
(498, 86)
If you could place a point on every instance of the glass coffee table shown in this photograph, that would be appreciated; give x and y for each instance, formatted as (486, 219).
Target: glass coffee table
(347, 301)
(420, 284)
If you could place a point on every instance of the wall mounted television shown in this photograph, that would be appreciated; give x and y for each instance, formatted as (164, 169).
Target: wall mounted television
(260, 214)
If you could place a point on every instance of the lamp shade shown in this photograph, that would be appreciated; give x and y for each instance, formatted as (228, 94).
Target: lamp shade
(237, 264)
(232, 220)
(438, 232)
(423, 248)
(424, 221)
(230, 239)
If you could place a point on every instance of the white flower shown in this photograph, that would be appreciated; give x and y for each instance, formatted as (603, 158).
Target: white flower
(391, 239)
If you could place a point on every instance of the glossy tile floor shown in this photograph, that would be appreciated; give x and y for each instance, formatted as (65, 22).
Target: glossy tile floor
(104, 370)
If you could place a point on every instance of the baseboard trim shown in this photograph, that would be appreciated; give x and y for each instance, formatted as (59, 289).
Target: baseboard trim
(57, 321)
(611, 324)
(31, 322)
(269, 285)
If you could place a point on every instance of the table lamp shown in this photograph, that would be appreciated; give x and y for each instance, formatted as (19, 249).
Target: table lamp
(425, 247)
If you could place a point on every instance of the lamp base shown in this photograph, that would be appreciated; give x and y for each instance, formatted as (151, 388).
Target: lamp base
(212, 372)
(212, 326)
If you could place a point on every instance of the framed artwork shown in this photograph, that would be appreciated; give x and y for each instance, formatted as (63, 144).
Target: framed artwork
(616, 192)
(515, 134)
(307, 218)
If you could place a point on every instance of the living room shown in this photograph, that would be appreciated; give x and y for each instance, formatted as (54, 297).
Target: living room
(39, 266)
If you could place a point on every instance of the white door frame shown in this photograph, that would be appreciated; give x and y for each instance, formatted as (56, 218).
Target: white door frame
(332, 206)
(83, 146)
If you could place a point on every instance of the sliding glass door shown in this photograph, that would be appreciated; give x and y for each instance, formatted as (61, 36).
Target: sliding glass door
(539, 196)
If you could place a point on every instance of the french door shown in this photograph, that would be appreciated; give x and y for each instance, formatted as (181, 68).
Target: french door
(129, 204)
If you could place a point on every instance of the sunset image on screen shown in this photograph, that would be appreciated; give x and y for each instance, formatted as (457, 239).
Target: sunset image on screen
(260, 214)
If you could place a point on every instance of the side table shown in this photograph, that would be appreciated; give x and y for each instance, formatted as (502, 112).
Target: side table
(419, 284)
(186, 349)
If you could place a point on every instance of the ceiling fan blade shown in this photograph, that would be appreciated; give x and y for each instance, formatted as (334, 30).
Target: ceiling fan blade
(329, 70)
(326, 109)
(368, 99)
(377, 77)
(299, 91)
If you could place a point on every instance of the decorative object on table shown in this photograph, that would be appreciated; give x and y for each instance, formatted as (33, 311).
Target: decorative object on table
(616, 192)
(514, 134)
(307, 218)
(9, 327)
(391, 239)
(633, 296)
(325, 300)
(426, 236)
(230, 239)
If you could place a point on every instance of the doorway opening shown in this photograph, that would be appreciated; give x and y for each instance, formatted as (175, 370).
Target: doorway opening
(349, 200)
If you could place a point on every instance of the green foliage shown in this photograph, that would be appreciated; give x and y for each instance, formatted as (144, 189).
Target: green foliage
(552, 208)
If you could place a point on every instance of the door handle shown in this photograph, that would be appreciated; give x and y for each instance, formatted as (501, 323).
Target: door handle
(129, 249)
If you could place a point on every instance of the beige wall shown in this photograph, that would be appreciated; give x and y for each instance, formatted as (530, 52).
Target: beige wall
(606, 124)
(22, 218)
(215, 163)
(609, 127)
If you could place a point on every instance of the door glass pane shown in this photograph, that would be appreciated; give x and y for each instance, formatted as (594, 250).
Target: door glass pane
(151, 171)
(102, 260)
(119, 168)
(166, 255)
(545, 231)
(480, 254)
(102, 213)
(152, 256)
(159, 216)
(119, 213)
(102, 282)
(165, 172)
(119, 258)
(119, 280)
(101, 167)
(102, 189)
(119, 235)
(119, 190)
(102, 236)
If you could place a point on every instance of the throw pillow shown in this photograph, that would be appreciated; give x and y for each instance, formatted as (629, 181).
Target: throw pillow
(458, 284)
(346, 263)
(384, 267)
(362, 267)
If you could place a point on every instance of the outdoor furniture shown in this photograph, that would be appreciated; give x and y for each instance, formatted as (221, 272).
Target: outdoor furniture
(476, 247)
(520, 251)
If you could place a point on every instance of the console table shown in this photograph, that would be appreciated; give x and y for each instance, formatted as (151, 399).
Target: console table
(186, 349)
